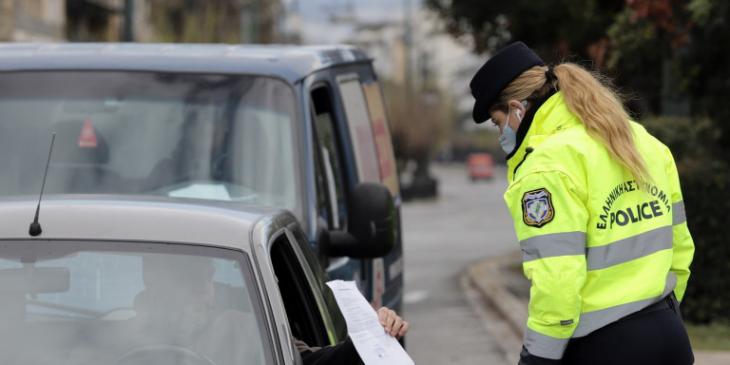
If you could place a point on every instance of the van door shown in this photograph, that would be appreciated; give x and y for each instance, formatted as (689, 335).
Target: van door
(370, 139)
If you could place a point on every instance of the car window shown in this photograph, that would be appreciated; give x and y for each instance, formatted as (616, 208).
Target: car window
(329, 161)
(119, 303)
(219, 137)
(305, 318)
(361, 133)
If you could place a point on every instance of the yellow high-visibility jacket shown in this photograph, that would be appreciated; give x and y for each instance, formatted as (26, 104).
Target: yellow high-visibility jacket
(597, 246)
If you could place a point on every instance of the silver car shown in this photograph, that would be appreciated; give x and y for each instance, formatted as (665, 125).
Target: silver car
(119, 280)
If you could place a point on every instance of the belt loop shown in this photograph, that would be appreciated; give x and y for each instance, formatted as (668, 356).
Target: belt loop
(670, 301)
(674, 304)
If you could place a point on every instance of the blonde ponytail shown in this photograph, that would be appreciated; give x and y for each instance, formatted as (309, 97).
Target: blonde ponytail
(603, 115)
(595, 104)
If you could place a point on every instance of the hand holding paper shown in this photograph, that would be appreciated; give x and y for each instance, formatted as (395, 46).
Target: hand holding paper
(374, 345)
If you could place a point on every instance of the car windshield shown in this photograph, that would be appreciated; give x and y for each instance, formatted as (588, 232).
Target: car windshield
(128, 303)
(219, 137)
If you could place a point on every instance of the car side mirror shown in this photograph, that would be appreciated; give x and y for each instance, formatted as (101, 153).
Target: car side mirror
(371, 220)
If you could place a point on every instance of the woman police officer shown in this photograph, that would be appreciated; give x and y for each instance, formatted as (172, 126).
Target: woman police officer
(598, 211)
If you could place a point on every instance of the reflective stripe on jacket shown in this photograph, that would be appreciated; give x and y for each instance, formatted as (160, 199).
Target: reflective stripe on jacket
(597, 246)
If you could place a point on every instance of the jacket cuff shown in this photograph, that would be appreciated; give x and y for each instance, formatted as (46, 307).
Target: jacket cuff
(545, 346)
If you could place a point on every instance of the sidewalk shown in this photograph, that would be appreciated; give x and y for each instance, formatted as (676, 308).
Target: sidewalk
(505, 291)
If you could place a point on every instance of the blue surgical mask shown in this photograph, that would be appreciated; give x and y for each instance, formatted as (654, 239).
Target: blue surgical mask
(508, 138)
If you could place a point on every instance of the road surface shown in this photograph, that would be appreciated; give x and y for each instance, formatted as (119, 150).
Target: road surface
(467, 222)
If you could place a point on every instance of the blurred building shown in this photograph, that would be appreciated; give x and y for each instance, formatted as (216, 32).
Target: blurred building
(418, 51)
(229, 21)
(32, 20)
(384, 42)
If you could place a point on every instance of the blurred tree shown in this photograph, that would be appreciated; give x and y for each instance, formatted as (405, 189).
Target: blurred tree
(217, 21)
(645, 40)
(418, 130)
(556, 29)
(705, 66)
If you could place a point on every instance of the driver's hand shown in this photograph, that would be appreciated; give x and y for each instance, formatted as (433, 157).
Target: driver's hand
(393, 324)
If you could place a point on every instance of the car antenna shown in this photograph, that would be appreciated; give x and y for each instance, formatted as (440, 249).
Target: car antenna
(35, 227)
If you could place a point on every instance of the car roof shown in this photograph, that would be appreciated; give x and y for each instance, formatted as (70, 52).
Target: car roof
(288, 62)
(128, 218)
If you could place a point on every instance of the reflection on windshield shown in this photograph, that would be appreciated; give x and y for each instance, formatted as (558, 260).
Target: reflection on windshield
(62, 305)
(181, 135)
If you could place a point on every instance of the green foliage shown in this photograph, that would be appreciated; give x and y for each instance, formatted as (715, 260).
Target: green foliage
(705, 195)
(705, 181)
(715, 337)
(636, 60)
(706, 66)
(556, 29)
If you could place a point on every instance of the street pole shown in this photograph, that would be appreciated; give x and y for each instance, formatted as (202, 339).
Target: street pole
(128, 30)
(408, 40)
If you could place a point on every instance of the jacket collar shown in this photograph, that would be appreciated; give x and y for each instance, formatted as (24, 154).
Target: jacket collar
(551, 117)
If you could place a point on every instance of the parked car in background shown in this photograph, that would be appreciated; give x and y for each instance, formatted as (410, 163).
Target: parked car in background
(298, 128)
(122, 280)
(480, 166)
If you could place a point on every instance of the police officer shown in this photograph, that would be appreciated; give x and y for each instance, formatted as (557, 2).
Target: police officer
(598, 211)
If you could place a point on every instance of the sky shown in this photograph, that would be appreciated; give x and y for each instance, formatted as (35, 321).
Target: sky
(315, 14)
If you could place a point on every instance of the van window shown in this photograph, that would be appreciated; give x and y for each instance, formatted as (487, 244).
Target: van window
(361, 133)
(203, 136)
(381, 133)
(330, 180)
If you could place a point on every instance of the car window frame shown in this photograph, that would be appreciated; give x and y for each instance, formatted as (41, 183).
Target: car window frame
(337, 219)
(285, 236)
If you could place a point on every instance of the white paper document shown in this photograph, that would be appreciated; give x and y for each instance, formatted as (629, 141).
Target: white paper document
(372, 343)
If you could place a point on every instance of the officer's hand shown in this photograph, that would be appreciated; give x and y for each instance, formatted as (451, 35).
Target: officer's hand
(392, 323)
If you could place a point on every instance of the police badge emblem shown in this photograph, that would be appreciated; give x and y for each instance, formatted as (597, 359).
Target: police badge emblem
(537, 208)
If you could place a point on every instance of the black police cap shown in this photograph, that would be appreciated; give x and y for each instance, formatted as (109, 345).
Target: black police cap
(497, 73)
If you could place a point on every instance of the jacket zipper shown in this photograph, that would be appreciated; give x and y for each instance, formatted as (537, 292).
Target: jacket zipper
(528, 151)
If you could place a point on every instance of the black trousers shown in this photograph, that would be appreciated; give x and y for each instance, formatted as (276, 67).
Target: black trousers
(655, 335)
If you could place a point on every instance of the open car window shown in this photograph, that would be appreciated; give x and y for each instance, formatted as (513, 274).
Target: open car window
(303, 313)
(128, 303)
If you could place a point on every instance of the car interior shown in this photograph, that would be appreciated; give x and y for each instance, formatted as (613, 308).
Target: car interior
(91, 308)
(305, 319)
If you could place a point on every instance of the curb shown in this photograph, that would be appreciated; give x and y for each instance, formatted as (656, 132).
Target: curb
(510, 312)
(486, 278)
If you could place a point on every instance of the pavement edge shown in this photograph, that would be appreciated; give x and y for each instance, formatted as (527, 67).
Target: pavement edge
(504, 315)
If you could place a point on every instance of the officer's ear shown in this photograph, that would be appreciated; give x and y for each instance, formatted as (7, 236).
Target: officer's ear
(517, 105)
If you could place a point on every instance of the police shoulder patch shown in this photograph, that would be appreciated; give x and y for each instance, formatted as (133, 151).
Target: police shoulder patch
(537, 208)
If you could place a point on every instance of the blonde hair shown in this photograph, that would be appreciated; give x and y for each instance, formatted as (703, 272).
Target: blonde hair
(597, 106)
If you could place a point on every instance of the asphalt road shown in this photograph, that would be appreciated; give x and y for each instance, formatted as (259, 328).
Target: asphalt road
(467, 222)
